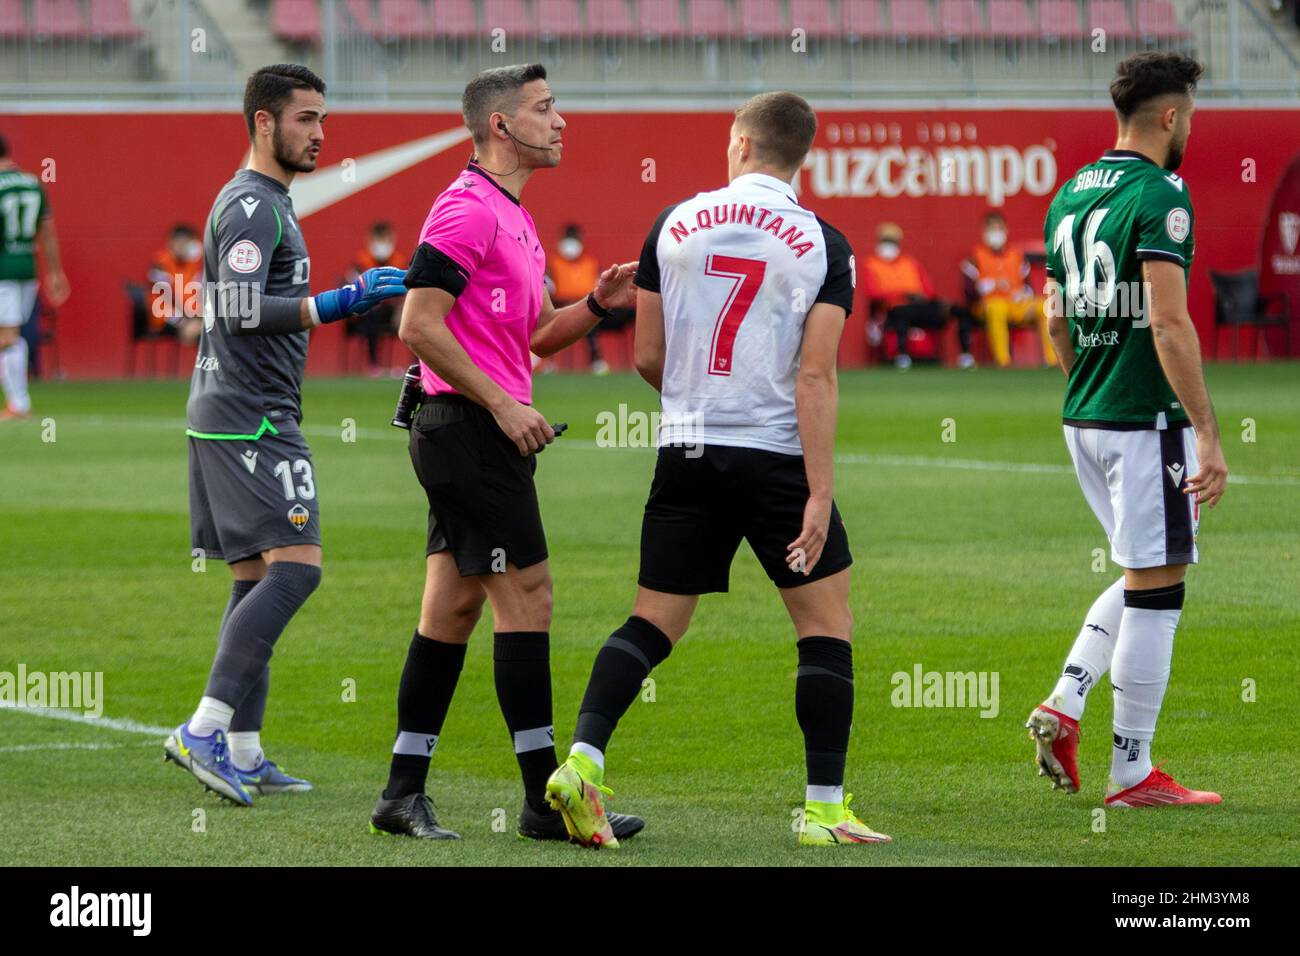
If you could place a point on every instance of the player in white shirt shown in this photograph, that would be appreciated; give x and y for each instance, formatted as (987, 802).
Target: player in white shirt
(742, 296)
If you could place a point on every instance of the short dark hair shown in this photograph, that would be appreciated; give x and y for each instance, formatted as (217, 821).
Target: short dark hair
(495, 91)
(381, 227)
(782, 126)
(994, 216)
(271, 87)
(1144, 76)
(4, 147)
(183, 229)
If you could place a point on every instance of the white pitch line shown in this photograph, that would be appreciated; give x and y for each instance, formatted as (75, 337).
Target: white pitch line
(77, 717)
(24, 748)
(587, 444)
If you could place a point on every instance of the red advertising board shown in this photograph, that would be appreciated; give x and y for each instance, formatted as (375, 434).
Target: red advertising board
(117, 182)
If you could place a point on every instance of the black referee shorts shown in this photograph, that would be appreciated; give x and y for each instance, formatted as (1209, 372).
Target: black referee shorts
(701, 507)
(482, 500)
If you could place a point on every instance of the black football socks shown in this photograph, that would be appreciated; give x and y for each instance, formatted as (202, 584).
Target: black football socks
(423, 698)
(622, 665)
(522, 670)
(823, 705)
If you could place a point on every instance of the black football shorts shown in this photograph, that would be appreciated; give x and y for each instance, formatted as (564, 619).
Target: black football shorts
(705, 499)
(482, 500)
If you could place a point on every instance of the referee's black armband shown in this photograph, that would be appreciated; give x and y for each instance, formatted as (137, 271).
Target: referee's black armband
(432, 268)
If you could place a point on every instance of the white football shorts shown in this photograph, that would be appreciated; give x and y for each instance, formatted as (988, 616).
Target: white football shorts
(1133, 481)
(17, 300)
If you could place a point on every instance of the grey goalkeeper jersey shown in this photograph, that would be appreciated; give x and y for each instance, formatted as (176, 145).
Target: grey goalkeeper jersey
(255, 264)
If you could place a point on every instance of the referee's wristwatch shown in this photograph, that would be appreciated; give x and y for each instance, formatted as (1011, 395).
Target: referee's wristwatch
(598, 310)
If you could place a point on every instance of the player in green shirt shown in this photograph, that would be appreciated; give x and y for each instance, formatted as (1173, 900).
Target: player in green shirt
(25, 223)
(1138, 418)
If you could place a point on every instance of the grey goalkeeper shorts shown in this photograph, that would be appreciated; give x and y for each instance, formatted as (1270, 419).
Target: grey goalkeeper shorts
(247, 497)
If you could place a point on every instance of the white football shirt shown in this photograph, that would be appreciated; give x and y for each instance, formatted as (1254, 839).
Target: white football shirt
(738, 269)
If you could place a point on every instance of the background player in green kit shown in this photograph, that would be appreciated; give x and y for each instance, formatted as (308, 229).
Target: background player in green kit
(1138, 418)
(252, 489)
(25, 223)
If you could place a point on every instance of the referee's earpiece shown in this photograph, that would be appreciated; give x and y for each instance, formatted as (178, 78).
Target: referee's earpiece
(502, 127)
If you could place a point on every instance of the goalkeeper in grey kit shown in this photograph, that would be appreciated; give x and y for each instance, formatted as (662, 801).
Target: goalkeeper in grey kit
(252, 489)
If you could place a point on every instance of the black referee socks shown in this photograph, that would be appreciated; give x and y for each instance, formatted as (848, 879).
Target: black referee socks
(522, 668)
(423, 698)
(628, 656)
(823, 704)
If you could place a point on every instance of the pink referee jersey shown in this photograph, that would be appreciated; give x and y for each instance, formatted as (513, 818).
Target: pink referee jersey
(483, 239)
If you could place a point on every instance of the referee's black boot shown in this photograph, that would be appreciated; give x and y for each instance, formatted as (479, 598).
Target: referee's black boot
(412, 816)
(547, 824)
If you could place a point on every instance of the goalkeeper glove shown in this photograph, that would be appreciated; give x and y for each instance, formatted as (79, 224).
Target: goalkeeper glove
(370, 288)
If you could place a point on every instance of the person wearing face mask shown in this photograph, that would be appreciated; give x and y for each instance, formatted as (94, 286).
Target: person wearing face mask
(174, 307)
(380, 250)
(574, 271)
(998, 274)
(900, 297)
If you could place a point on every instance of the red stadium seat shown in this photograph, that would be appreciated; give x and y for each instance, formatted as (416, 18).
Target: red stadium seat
(112, 19)
(403, 20)
(710, 18)
(297, 21)
(511, 15)
(1111, 16)
(610, 18)
(814, 17)
(961, 19)
(660, 18)
(362, 16)
(455, 18)
(58, 19)
(862, 18)
(1012, 19)
(559, 18)
(1059, 19)
(13, 19)
(1159, 19)
(762, 18)
(913, 19)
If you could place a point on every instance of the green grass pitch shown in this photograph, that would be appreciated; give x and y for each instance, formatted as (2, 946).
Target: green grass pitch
(971, 555)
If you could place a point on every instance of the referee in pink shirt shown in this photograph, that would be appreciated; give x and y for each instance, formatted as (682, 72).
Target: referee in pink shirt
(477, 307)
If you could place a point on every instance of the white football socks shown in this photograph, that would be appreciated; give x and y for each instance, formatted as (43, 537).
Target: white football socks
(246, 749)
(587, 750)
(211, 715)
(1130, 761)
(1139, 675)
(13, 376)
(1090, 656)
(824, 794)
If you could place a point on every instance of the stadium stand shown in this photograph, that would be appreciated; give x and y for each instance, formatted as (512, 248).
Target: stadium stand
(296, 21)
(399, 48)
(403, 19)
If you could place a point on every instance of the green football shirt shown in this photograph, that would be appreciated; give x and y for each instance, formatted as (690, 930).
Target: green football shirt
(22, 207)
(1104, 222)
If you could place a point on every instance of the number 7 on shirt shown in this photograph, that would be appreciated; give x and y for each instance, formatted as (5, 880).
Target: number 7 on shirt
(747, 276)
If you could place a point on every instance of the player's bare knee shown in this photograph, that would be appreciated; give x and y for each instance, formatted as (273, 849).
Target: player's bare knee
(451, 625)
